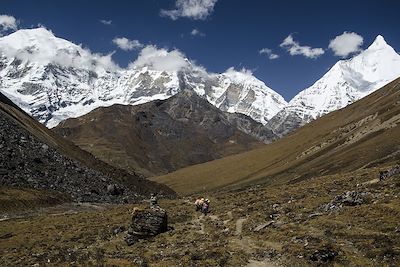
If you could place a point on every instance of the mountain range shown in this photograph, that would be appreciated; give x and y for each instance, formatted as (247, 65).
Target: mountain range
(53, 79)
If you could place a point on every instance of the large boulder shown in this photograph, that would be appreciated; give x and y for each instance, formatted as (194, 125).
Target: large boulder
(146, 223)
(349, 198)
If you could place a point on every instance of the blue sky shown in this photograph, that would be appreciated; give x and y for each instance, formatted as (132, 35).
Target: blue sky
(230, 33)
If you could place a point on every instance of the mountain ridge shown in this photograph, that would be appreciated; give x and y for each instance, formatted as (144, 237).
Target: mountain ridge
(163, 135)
(62, 80)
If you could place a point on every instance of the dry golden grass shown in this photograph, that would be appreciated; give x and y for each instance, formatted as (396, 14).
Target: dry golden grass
(365, 133)
(21, 199)
(364, 235)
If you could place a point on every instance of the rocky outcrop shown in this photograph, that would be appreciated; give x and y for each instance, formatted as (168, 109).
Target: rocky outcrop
(285, 122)
(146, 223)
(349, 198)
(251, 127)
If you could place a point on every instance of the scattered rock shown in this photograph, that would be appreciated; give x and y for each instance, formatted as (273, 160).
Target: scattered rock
(146, 223)
(262, 226)
(349, 198)
(388, 173)
(323, 255)
(115, 190)
(312, 215)
(118, 229)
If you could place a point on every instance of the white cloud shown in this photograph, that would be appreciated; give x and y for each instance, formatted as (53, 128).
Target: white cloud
(126, 44)
(239, 76)
(194, 9)
(346, 44)
(294, 48)
(269, 53)
(49, 49)
(196, 32)
(160, 59)
(7, 23)
(106, 22)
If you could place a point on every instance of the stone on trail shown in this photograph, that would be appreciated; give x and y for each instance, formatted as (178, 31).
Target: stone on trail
(146, 223)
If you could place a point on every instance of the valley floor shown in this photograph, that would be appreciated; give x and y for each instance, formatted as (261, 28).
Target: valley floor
(286, 225)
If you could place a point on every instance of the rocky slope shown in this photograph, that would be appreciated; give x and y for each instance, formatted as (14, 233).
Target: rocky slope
(360, 135)
(163, 135)
(34, 157)
(53, 79)
(346, 82)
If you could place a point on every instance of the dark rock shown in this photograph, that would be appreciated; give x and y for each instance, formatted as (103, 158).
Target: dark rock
(6, 236)
(115, 190)
(146, 223)
(324, 255)
(118, 229)
(388, 173)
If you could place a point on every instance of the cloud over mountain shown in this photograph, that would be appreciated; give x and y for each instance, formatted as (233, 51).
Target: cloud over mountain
(160, 59)
(126, 44)
(346, 44)
(7, 23)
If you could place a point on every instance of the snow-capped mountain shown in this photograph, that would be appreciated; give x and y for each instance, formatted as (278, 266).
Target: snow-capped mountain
(54, 79)
(346, 82)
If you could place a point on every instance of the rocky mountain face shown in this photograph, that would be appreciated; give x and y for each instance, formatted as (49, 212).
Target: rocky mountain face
(346, 82)
(53, 79)
(34, 157)
(163, 135)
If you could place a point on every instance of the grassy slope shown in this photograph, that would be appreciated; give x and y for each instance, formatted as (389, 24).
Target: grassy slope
(20, 199)
(364, 133)
(363, 235)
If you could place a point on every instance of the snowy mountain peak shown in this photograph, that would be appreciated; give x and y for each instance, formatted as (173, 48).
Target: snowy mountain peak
(379, 43)
(346, 82)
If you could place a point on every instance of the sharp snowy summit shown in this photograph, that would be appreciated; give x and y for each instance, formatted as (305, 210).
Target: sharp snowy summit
(346, 82)
(54, 79)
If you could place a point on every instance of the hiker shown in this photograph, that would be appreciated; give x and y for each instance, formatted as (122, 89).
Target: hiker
(199, 203)
(153, 201)
(206, 207)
